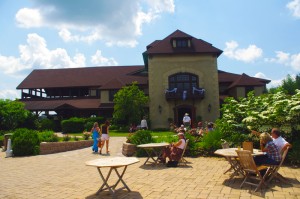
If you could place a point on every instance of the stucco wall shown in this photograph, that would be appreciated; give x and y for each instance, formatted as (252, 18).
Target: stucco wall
(240, 92)
(259, 90)
(105, 96)
(161, 67)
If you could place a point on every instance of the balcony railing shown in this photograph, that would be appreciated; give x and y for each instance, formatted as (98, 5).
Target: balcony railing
(176, 94)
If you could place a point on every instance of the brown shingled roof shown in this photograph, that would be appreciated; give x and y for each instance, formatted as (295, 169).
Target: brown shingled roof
(55, 104)
(198, 46)
(83, 77)
(240, 80)
(245, 80)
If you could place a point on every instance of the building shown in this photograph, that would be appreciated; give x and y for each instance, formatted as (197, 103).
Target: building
(180, 74)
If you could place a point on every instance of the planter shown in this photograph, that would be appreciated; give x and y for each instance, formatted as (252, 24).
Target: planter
(128, 149)
(56, 147)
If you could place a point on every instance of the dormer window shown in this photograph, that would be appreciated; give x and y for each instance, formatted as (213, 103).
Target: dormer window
(181, 43)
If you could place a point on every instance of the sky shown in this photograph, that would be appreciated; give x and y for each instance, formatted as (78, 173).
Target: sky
(259, 38)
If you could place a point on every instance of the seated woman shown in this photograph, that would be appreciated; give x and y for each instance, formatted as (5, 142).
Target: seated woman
(175, 150)
(267, 145)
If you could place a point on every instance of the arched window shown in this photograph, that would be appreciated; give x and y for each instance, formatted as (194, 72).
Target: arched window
(183, 81)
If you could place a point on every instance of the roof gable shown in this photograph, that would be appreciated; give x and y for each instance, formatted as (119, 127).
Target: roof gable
(198, 46)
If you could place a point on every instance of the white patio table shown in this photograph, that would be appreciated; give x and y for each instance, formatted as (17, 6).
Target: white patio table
(112, 163)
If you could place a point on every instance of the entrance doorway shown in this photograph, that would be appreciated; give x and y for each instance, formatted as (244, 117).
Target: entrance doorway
(181, 111)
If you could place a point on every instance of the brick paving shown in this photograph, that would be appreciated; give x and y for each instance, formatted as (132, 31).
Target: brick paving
(64, 175)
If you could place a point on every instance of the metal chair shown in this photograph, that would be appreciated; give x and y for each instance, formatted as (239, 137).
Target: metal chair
(182, 159)
(252, 172)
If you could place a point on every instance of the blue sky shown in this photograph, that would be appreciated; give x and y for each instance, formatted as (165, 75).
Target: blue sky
(259, 38)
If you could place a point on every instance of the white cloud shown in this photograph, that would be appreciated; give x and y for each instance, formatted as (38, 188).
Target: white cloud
(294, 7)
(35, 54)
(242, 54)
(28, 18)
(295, 62)
(260, 75)
(98, 59)
(281, 58)
(115, 22)
(286, 59)
(272, 84)
(9, 94)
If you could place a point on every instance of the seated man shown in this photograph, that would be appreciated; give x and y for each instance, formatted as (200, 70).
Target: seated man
(279, 141)
(175, 150)
(267, 145)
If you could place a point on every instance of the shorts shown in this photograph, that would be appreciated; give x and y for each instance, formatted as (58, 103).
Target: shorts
(104, 137)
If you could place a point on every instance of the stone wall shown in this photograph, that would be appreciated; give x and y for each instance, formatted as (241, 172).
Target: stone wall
(55, 147)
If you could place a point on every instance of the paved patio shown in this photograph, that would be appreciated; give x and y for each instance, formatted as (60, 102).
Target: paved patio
(64, 175)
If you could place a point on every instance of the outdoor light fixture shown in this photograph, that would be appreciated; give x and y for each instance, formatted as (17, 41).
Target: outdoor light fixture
(159, 108)
(209, 108)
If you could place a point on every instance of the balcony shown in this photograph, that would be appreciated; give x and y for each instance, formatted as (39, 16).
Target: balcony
(193, 94)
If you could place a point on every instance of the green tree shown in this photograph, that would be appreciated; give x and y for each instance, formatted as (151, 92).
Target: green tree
(289, 85)
(130, 104)
(12, 114)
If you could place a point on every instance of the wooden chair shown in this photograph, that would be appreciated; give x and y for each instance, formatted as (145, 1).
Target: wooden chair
(274, 168)
(252, 172)
(182, 159)
(248, 146)
(225, 145)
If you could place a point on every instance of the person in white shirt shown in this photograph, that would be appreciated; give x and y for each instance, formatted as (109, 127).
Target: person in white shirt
(279, 141)
(144, 124)
(186, 120)
(175, 150)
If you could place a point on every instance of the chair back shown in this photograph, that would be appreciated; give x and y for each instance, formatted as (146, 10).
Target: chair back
(248, 146)
(247, 161)
(283, 156)
(186, 143)
(182, 159)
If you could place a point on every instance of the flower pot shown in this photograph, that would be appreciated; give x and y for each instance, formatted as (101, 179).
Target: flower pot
(128, 149)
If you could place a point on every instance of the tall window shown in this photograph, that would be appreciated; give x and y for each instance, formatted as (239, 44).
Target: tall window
(112, 95)
(183, 81)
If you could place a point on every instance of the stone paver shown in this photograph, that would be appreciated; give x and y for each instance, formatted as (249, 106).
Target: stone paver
(64, 175)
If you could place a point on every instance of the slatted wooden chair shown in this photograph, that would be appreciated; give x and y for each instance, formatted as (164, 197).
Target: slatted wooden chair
(252, 172)
(275, 168)
(225, 145)
(182, 159)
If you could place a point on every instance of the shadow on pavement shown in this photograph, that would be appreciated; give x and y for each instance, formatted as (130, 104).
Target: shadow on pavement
(119, 194)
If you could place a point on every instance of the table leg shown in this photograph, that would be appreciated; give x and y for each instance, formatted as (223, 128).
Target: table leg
(149, 153)
(104, 181)
(112, 189)
(157, 153)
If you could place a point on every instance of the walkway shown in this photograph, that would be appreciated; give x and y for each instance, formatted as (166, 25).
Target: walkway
(64, 175)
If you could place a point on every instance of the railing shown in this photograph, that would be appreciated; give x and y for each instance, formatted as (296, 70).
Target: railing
(175, 94)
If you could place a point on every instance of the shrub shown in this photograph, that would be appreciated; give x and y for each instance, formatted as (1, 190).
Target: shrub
(25, 142)
(66, 138)
(141, 137)
(88, 126)
(211, 141)
(100, 120)
(46, 124)
(294, 153)
(86, 135)
(73, 125)
(47, 136)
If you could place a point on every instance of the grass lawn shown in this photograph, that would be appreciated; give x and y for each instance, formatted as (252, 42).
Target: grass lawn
(115, 133)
